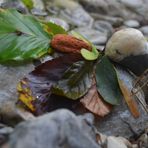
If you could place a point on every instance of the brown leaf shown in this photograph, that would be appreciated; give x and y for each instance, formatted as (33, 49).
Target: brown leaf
(129, 100)
(94, 102)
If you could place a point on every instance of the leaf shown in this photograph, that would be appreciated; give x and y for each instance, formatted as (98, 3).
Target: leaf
(94, 102)
(35, 89)
(129, 99)
(53, 28)
(76, 81)
(21, 37)
(90, 55)
(28, 3)
(107, 82)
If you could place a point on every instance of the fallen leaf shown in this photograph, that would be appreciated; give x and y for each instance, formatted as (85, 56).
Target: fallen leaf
(76, 81)
(129, 99)
(107, 81)
(35, 89)
(94, 102)
(22, 37)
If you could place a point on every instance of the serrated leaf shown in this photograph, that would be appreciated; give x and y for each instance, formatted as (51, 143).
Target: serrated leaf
(21, 37)
(76, 81)
(107, 82)
(35, 89)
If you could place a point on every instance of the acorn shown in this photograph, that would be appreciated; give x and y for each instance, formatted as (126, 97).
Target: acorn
(129, 48)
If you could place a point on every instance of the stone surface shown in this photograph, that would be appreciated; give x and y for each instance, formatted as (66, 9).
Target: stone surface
(132, 23)
(127, 9)
(120, 122)
(58, 129)
(77, 17)
(104, 27)
(9, 77)
(144, 30)
(113, 142)
(18, 5)
(4, 133)
(94, 36)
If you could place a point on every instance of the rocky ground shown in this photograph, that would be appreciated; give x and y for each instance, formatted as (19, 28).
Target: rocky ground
(97, 20)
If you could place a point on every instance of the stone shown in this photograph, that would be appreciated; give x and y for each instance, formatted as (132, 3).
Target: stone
(114, 21)
(57, 129)
(38, 8)
(94, 36)
(9, 77)
(113, 142)
(120, 121)
(4, 133)
(127, 9)
(144, 30)
(132, 23)
(77, 17)
(18, 5)
(71, 11)
(104, 27)
(58, 21)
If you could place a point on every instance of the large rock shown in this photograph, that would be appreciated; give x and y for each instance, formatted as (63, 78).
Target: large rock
(9, 77)
(58, 129)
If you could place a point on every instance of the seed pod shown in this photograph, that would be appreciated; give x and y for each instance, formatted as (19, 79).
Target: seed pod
(68, 44)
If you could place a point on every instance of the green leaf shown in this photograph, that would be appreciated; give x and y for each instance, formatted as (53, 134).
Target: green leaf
(107, 82)
(28, 3)
(90, 55)
(54, 29)
(79, 36)
(21, 37)
(76, 81)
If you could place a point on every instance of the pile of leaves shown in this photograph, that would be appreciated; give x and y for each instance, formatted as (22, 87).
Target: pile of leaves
(79, 74)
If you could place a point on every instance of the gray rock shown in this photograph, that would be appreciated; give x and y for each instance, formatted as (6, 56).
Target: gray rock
(18, 5)
(132, 3)
(58, 129)
(71, 11)
(4, 133)
(38, 12)
(77, 17)
(104, 27)
(9, 77)
(120, 122)
(114, 21)
(144, 30)
(94, 36)
(58, 21)
(132, 23)
(127, 9)
(38, 8)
